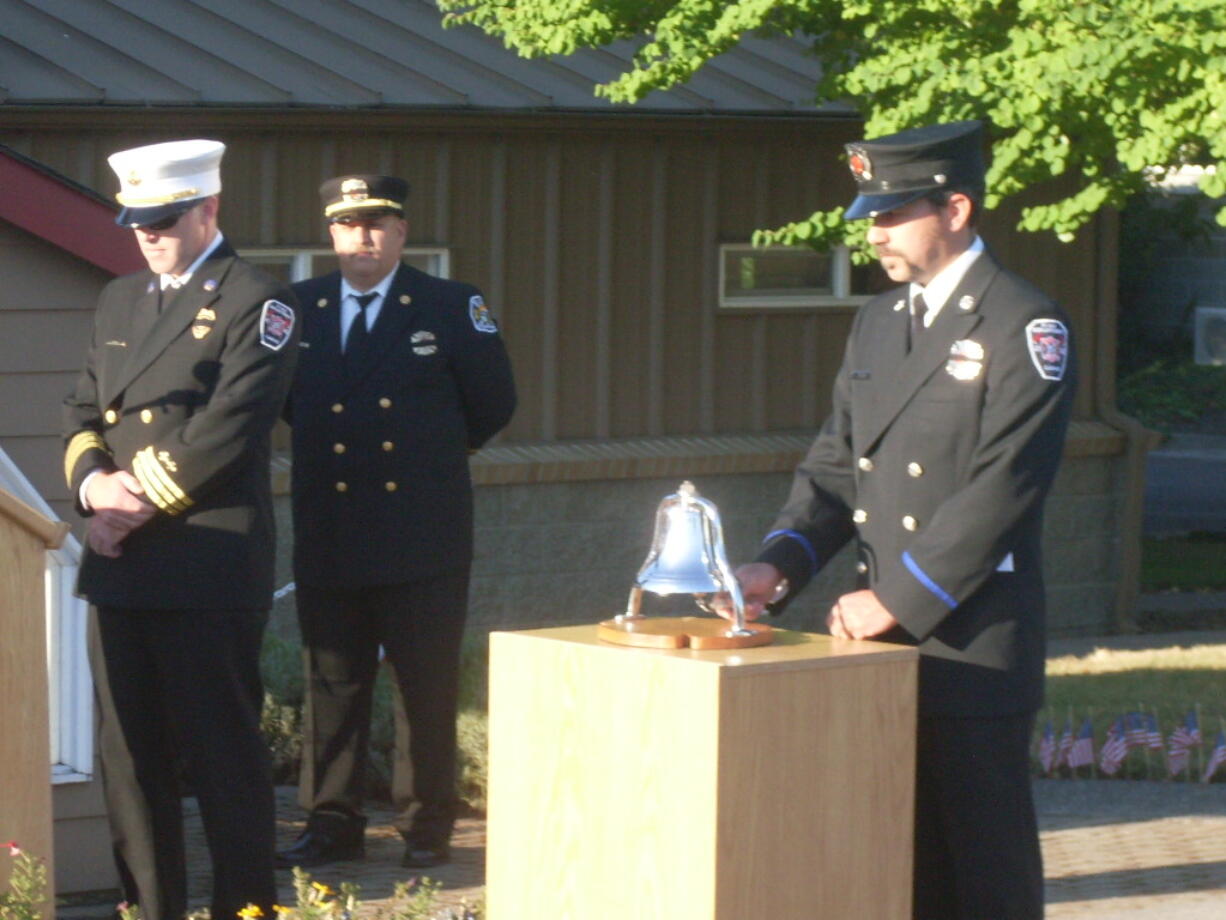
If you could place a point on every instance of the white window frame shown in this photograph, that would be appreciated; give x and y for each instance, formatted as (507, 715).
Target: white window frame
(70, 687)
(840, 268)
(439, 258)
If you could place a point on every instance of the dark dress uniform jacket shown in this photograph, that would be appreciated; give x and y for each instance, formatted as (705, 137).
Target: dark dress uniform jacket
(381, 487)
(938, 461)
(185, 400)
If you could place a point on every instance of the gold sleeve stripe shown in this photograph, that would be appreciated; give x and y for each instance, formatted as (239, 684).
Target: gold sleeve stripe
(152, 489)
(159, 487)
(81, 442)
(365, 203)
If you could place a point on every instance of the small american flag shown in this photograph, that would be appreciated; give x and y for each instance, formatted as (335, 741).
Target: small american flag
(1216, 758)
(1114, 749)
(1179, 746)
(1081, 754)
(1136, 732)
(1047, 749)
(1153, 736)
(1066, 743)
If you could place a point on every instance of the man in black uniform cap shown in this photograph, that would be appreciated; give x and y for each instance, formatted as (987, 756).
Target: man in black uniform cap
(401, 376)
(167, 436)
(949, 415)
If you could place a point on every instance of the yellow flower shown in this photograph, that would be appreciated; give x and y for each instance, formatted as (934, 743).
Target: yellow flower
(250, 912)
(321, 887)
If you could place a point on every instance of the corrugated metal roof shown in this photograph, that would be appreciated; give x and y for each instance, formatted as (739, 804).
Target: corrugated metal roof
(348, 54)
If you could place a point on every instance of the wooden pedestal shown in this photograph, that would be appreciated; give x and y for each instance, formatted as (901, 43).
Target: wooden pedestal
(25, 786)
(646, 784)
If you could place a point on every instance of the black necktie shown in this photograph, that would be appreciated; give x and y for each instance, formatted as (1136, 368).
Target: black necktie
(919, 309)
(358, 342)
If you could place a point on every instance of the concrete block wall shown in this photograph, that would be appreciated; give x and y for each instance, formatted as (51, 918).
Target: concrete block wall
(566, 552)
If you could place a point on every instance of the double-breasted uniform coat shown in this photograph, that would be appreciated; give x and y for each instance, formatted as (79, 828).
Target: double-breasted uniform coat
(937, 461)
(184, 397)
(383, 527)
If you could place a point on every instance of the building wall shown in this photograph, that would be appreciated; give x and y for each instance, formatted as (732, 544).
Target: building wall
(46, 311)
(595, 239)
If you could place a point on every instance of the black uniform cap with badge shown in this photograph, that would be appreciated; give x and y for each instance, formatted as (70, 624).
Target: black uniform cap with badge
(363, 197)
(158, 183)
(897, 169)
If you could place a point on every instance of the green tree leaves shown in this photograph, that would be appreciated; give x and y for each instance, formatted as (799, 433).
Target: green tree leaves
(1104, 95)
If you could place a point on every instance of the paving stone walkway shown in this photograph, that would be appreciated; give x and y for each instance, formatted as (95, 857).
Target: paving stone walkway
(1122, 850)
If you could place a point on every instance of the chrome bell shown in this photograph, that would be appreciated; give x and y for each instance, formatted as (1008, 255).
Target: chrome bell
(687, 557)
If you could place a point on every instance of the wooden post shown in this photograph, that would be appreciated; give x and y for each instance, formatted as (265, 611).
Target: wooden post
(25, 745)
(710, 785)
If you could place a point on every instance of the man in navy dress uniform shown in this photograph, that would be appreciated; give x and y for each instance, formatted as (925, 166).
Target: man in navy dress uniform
(949, 415)
(401, 375)
(167, 451)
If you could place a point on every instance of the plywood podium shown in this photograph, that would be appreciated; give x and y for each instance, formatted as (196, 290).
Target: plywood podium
(646, 784)
(25, 791)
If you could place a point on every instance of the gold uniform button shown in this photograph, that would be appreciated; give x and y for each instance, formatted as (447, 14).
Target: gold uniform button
(388, 445)
(342, 487)
(338, 408)
(406, 299)
(391, 486)
(322, 302)
(384, 402)
(338, 448)
(915, 470)
(862, 567)
(910, 523)
(865, 464)
(859, 516)
(111, 416)
(146, 416)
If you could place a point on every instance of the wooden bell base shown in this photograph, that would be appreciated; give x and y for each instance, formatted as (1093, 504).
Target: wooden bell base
(681, 632)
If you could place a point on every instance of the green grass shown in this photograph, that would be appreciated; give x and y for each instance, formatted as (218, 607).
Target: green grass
(1191, 563)
(1168, 682)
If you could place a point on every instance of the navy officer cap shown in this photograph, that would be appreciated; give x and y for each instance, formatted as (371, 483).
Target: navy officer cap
(896, 169)
(363, 196)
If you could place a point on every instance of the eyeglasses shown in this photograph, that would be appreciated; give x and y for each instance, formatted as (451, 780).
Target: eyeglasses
(158, 226)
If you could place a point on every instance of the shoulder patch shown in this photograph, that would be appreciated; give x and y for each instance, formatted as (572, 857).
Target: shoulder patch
(276, 324)
(1048, 342)
(479, 313)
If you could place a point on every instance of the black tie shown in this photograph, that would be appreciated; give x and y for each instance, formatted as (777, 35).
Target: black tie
(358, 342)
(919, 309)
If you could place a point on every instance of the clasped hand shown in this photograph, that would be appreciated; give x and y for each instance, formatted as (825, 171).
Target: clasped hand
(119, 506)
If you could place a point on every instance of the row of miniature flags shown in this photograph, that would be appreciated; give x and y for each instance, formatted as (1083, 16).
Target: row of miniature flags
(1130, 731)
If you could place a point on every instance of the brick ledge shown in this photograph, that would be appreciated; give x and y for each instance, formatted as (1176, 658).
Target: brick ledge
(670, 457)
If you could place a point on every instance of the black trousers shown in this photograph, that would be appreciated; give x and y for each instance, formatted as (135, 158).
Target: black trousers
(180, 690)
(976, 836)
(420, 625)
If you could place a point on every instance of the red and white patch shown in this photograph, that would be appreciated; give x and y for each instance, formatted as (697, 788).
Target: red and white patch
(1048, 341)
(861, 165)
(276, 324)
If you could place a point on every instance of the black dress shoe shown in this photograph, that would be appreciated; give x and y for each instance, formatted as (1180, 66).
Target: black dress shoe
(318, 846)
(420, 857)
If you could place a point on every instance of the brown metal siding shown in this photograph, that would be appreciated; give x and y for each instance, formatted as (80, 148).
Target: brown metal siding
(46, 312)
(595, 240)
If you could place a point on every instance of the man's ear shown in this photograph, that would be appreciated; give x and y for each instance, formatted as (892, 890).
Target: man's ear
(960, 210)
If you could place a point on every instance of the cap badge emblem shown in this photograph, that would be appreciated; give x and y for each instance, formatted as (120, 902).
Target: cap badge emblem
(354, 190)
(134, 178)
(861, 165)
